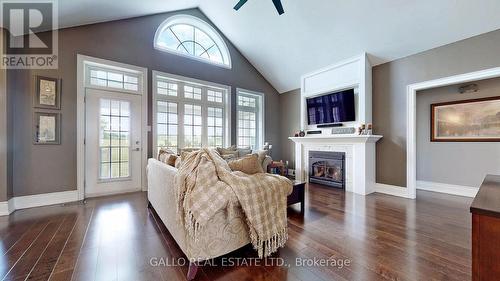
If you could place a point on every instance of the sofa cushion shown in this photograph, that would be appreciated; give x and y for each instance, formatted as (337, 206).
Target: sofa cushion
(248, 164)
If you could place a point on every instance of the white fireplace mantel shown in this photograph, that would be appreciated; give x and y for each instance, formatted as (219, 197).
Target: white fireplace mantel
(360, 158)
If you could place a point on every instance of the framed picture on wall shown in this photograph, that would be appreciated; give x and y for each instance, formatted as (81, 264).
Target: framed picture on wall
(47, 128)
(476, 120)
(47, 93)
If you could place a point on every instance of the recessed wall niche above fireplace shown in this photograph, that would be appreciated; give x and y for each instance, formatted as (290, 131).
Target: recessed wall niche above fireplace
(327, 168)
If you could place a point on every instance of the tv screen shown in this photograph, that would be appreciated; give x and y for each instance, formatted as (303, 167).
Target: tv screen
(332, 108)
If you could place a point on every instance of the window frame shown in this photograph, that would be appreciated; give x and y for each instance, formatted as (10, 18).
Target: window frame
(208, 29)
(181, 101)
(260, 116)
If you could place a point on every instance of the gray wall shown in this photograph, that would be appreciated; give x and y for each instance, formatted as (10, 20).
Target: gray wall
(3, 131)
(460, 163)
(389, 93)
(290, 123)
(389, 97)
(41, 169)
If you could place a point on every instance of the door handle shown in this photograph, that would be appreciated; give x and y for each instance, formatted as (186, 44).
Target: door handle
(137, 149)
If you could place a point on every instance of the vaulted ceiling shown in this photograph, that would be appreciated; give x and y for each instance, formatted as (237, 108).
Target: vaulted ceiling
(315, 33)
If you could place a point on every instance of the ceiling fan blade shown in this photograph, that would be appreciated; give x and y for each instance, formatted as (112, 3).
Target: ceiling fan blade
(239, 4)
(279, 7)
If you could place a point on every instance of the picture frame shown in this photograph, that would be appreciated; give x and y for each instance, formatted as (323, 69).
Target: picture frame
(473, 120)
(47, 93)
(47, 128)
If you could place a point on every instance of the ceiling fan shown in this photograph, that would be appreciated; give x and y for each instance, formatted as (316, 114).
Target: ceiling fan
(277, 4)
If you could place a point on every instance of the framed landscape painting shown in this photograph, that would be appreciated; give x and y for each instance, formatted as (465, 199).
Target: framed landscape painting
(48, 93)
(476, 120)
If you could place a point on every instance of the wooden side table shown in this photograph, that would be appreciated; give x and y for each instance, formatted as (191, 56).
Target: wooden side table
(298, 195)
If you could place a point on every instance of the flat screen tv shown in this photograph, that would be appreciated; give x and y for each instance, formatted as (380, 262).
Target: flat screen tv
(332, 108)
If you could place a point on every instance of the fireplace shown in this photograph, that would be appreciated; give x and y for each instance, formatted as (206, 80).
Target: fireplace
(327, 168)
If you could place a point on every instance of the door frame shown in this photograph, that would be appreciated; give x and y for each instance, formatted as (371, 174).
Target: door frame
(82, 62)
(411, 117)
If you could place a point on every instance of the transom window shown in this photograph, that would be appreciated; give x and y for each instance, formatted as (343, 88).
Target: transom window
(191, 92)
(195, 116)
(168, 89)
(118, 80)
(249, 119)
(194, 38)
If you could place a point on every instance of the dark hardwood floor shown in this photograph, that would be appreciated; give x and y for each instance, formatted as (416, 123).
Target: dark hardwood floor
(117, 238)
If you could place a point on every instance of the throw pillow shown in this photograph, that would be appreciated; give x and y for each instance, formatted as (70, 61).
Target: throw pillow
(163, 153)
(172, 160)
(249, 165)
(229, 150)
(244, 151)
(230, 156)
(262, 155)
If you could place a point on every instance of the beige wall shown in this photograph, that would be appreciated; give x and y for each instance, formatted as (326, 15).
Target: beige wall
(459, 163)
(42, 169)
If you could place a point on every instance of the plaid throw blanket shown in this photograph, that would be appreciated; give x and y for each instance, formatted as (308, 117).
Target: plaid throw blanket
(205, 184)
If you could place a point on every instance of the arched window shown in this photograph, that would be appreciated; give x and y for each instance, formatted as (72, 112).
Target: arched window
(189, 36)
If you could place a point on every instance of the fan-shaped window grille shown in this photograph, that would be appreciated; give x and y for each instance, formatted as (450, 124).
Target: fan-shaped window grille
(191, 37)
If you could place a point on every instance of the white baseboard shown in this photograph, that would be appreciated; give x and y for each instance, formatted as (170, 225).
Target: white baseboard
(38, 200)
(393, 190)
(460, 190)
(7, 207)
(101, 194)
(4, 208)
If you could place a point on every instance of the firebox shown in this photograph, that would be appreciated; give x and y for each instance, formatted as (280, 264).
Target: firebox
(327, 168)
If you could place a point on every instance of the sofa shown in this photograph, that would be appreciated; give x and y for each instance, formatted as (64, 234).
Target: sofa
(226, 231)
(222, 235)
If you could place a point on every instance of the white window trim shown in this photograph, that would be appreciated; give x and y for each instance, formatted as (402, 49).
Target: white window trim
(181, 101)
(261, 138)
(203, 26)
(83, 63)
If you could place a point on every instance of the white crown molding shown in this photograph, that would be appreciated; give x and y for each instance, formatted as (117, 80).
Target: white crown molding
(38, 200)
(393, 190)
(460, 190)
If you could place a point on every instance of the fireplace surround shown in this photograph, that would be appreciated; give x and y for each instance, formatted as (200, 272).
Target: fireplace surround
(327, 168)
(359, 158)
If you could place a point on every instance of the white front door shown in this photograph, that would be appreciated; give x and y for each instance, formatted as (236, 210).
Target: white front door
(112, 142)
